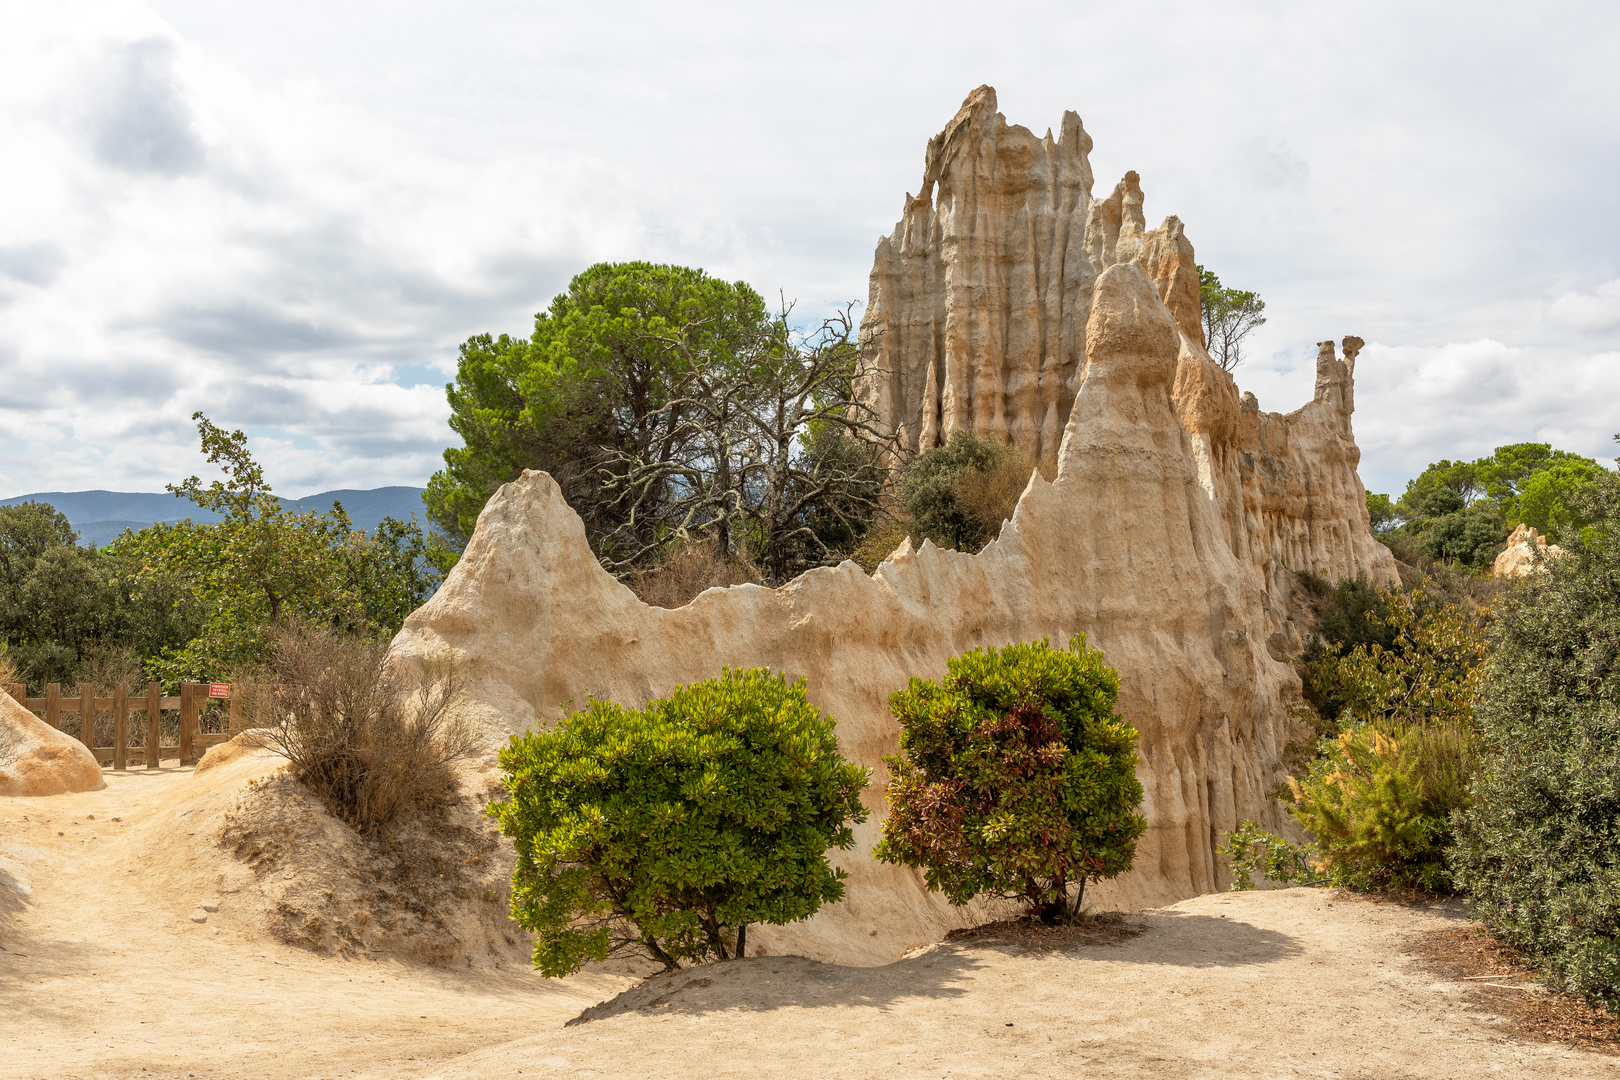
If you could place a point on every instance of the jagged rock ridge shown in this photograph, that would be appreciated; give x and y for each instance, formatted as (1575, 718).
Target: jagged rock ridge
(1176, 512)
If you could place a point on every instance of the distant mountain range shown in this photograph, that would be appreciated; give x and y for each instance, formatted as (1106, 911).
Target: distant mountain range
(99, 516)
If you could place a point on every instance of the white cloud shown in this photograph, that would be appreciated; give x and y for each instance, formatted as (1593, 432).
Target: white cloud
(137, 114)
(271, 258)
(1419, 404)
(289, 215)
(1271, 166)
(1593, 311)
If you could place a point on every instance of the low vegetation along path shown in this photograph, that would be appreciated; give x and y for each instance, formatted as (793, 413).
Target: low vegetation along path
(104, 973)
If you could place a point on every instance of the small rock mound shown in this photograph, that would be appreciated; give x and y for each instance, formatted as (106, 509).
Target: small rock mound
(36, 759)
(1519, 559)
(250, 743)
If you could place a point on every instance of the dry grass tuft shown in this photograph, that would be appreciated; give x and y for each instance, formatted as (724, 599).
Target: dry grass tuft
(888, 530)
(687, 570)
(8, 668)
(991, 496)
(370, 738)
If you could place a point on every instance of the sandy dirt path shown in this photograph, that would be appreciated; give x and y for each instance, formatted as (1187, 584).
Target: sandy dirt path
(104, 975)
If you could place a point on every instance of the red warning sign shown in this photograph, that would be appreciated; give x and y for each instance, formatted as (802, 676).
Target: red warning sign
(219, 689)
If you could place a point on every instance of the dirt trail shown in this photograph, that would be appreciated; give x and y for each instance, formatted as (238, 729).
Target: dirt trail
(105, 975)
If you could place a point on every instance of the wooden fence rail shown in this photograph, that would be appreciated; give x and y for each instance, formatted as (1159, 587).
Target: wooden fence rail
(191, 746)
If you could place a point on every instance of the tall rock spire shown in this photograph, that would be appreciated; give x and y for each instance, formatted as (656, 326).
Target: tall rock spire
(978, 300)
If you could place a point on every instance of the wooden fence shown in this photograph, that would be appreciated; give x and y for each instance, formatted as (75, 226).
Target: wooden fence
(193, 742)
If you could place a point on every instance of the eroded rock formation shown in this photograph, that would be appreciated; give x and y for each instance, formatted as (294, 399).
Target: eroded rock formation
(1518, 559)
(1176, 513)
(37, 759)
(979, 300)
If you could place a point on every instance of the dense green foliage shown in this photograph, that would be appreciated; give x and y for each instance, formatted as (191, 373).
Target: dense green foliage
(1016, 777)
(261, 565)
(1230, 316)
(1462, 511)
(1379, 806)
(1398, 746)
(671, 408)
(1538, 850)
(65, 609)
(957, 495)
(595, 380)
(660, 828)
(197, 601)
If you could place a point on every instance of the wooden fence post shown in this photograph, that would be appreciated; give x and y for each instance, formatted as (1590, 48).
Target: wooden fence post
(188, 719)
(154, 724)
(235, 727)
(87, 718)
(53, 705)
(121, 726)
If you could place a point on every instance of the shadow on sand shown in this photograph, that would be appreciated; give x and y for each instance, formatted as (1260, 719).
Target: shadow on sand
(764, 983)
(776, 982)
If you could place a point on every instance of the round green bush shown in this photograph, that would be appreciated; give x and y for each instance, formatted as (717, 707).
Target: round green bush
(667, 829)
(1015, 777)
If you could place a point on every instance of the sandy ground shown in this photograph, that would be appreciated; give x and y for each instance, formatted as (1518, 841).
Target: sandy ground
(104, 974)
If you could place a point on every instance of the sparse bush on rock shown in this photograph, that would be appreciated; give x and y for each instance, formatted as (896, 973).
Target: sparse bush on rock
(957, 495)
(665, 830)
(1015, 777)
(1538, 850)
(686, 570)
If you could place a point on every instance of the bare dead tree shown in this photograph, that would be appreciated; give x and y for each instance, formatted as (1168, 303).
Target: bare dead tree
(777, 453)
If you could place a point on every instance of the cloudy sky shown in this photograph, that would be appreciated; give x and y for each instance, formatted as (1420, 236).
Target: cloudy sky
(289, 215)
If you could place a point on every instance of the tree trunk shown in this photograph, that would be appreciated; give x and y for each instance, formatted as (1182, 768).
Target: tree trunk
(669, 962)
(723, 482)
(711, 930)
(742, 941)
(1080, 900)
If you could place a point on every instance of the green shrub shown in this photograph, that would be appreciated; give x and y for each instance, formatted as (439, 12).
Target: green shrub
(1380, 805)
(1252, 850)
(660, 829)
(1538, 851)
(1353, 613)
(1471, 536)
(957, 495)
(1015, 777)
(1397, 746)
(1418, 662)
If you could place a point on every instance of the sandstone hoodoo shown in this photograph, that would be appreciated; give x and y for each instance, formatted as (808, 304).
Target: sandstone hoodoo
(1518, 559)
(1011, 303)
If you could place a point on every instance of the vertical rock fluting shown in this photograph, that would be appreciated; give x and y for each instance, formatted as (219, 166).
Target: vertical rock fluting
(1167, 536)
(977, 316)
(978, 302)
